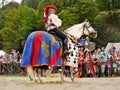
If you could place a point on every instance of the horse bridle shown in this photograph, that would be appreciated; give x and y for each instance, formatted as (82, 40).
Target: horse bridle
(84, 26)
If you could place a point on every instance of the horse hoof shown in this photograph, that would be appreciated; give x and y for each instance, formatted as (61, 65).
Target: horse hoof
(36, 81)
(39, 82)
(72, 79)
(31, 79)
(62, 81)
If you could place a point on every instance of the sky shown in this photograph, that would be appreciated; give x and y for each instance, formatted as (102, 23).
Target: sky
(7, 1)
(11, 0)
(15, 0)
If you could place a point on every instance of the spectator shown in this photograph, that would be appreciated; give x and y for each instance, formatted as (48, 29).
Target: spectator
(87, 63)
(102, 60)
(104, 53)
(95, 58)
(109, 65)
(80, 61)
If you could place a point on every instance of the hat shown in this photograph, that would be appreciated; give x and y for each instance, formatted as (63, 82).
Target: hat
(46, 11)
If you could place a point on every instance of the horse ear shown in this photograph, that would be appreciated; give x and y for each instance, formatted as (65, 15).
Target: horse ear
(86, 20)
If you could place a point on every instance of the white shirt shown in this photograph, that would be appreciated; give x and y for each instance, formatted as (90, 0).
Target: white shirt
(53, 22)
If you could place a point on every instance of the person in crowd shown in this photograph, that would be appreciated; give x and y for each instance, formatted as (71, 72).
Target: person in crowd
(102, 61)
(109, 66)
(87, 62)
(98, 50)
(80, 61)
(106, 55)
(115, 68)
(95, 58)
(113, 49)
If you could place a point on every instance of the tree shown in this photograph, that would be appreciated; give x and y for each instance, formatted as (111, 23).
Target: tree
(31, 3)
(78, 12)
(19, 23)
(107, 4)
(4, 10)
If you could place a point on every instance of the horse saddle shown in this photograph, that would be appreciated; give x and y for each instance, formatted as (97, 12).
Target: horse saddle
(55, 35)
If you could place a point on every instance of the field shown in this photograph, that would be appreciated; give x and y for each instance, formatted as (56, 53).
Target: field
(53, 83)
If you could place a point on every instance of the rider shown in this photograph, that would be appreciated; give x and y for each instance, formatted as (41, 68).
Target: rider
(52, 22)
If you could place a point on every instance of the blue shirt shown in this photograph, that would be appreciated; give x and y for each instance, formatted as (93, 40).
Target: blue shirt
(105, 54)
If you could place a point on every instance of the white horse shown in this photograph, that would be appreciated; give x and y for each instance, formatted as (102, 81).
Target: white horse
(77, 30)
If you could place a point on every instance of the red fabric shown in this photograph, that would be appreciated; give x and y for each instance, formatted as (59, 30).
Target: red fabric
(55, 57)
(80, 71)
(81, 65)
(45, 20)
(48, 7)
(36, 45)
(91, 65)
(46, 11)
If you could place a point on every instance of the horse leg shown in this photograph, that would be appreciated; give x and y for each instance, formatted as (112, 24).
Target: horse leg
(30, 73)
(62, 71)
(37, 75)
(71, 73)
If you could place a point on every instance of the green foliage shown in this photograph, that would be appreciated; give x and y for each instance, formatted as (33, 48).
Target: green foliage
(19, 23)
(78, 12)
(108, 28)
(107, 4)
(10, 39)
(86, 9)
(11, 5)
(31, 3)
(68, 17)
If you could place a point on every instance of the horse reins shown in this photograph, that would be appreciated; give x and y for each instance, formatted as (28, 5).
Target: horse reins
(84, 26)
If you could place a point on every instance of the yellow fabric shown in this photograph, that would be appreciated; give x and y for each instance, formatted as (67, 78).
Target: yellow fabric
(53, 41)
(73, 38)
(47, 53)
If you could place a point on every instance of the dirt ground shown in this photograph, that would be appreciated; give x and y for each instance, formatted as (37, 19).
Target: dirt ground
(53, 83)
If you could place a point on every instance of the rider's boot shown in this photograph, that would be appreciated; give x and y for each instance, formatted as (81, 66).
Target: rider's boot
(65, 46)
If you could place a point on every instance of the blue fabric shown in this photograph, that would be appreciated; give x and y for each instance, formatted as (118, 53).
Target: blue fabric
(82, 42)
(51, 48)
(47, 51)
(105, 54)
(27, 52)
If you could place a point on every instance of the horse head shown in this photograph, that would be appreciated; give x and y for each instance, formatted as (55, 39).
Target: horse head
(83, 28)
(88, 29)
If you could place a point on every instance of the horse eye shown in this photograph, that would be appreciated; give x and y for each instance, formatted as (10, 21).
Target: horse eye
(88, 26)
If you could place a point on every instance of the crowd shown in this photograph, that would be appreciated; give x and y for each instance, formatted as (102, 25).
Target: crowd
(99, 63)
(10, 64)
(14, 56)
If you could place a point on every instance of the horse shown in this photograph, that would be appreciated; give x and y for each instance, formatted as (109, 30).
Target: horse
(42, 48)
(77, 31)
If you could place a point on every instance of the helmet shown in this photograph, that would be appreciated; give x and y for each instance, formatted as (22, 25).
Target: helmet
(46, 11)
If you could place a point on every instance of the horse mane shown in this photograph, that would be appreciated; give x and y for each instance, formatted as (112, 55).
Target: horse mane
(74, 30)
(76, 26)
